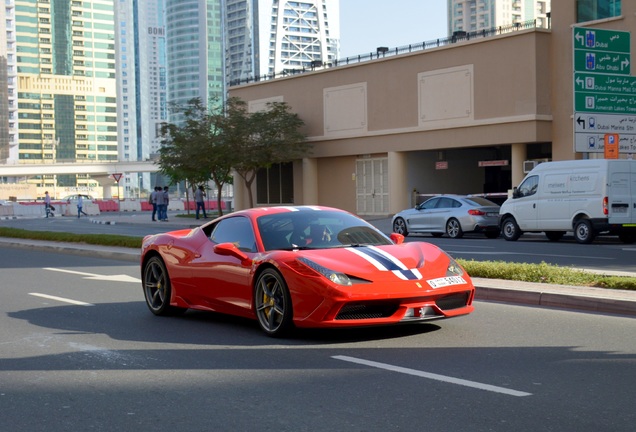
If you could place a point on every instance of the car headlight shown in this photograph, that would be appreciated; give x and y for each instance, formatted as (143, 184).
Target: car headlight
(334, 276)
(453, 269)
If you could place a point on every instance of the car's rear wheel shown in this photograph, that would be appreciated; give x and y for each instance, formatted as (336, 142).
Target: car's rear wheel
(510, 230)
(399, 226)
(157, 288)
(272, 303)
(583, 231)
(454, 229)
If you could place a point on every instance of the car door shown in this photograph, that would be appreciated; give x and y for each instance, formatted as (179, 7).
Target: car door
(442, 213)
(526, 203)
(223, 281)
(420, 220)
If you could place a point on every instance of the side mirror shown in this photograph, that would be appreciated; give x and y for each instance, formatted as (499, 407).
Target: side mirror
(515, 192)
(397, 238)
(230, 249)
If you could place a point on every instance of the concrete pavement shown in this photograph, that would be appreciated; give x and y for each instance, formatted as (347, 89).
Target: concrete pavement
(600, 300)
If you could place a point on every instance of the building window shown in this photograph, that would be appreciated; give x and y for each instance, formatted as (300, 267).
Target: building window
(591, 10)
(275, 185)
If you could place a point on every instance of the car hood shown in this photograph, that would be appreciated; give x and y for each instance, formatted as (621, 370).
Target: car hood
(406, 261)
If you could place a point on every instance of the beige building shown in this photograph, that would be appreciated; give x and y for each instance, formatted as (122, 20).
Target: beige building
(459, 118)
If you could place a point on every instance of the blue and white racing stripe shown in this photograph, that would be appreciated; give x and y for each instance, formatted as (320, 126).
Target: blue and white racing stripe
(384, 261)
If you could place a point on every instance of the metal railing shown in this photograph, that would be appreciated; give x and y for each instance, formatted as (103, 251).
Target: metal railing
(383, 52)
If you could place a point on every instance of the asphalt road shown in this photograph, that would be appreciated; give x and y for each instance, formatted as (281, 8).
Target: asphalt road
(80, 351)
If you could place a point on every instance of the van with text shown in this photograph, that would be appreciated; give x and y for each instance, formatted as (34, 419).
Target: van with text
(586, 197)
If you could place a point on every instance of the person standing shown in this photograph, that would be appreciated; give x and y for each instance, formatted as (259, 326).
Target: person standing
(47, 204)
(159, 200)
(166, 201)
(199, 198)
(153, 200)
(80, 204)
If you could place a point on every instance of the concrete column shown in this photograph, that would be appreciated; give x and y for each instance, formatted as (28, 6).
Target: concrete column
(310, 181)
(241, 200)
(518, 155)
(399, 194)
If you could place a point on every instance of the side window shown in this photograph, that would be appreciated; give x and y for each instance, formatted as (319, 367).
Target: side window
(529, 186)
(237, 230)
(445, 203)
(427, 205)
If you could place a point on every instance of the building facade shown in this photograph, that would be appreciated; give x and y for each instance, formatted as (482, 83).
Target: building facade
(447, 119)
(272, 37)
(475, 15)
(65, 84)
(141, 84)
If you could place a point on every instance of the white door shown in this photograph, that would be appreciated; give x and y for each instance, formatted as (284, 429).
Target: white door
(372, 185)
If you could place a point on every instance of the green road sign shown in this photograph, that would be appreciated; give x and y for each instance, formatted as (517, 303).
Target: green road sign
(607, 103)
(602, 83)
(602, 62)
(600, 40)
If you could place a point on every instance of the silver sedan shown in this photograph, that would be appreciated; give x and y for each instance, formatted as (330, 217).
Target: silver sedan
(453, 215)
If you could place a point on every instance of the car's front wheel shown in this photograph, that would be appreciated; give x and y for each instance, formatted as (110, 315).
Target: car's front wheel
(157, 288)
(454, 229)
(510, 230)
(399, 226)
(272, 303)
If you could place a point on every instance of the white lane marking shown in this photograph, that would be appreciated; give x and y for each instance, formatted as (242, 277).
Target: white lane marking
(433, 376)
(61, 299)
(93, 276)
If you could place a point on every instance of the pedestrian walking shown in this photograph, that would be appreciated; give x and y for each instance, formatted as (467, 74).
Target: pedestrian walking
(80, 204)
(47, 205)
(199, 198)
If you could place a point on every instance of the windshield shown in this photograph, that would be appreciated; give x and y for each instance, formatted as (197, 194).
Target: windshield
(317, 230)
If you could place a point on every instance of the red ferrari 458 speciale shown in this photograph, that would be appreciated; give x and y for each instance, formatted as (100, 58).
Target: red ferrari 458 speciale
(304, 266)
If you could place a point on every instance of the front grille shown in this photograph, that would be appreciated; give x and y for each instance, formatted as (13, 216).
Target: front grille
(453, 301)
(362, 311)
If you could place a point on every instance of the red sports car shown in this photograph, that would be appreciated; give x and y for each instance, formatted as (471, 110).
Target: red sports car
(302, 266)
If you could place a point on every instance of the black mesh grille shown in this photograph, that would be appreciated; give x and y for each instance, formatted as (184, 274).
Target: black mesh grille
(361, 311)
(453, 301)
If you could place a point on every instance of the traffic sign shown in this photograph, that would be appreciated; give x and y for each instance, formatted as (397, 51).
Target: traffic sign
(590, 130)
(117, 176)
(611, 146)
(601, 40)
(602, 62)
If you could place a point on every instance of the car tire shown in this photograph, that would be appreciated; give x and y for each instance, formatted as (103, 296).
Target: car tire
(510, 230)
(454, 228)
(399, 226)
(583, 231)
(158, 289)
(554, 235)
(272, 303)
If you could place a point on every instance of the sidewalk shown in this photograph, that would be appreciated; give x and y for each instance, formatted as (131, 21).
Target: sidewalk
(600, 300)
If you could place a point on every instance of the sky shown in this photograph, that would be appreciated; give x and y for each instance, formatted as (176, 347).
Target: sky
(368, 24)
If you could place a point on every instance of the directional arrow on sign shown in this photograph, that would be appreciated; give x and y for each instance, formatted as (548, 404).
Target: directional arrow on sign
(93, 276)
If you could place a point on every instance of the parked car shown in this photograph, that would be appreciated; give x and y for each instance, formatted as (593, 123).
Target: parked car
(69, 198)
(304, 266)
(453, 215)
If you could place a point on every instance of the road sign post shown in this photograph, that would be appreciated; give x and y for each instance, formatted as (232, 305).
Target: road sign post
(117, 177)
(604, 96)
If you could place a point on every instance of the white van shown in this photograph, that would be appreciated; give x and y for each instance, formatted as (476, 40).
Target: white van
(588, 197)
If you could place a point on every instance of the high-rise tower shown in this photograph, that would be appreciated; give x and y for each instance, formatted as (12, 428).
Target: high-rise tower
(473, 15)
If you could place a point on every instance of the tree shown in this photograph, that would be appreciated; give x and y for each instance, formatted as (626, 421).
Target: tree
(262, 138)
(194, 150)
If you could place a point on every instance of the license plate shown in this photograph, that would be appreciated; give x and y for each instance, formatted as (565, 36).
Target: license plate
(492, 214)
(446, 281)
(620, 210)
